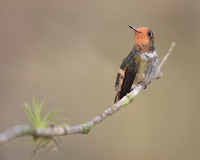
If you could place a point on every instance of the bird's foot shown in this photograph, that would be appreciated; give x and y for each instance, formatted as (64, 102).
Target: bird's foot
(145, 84)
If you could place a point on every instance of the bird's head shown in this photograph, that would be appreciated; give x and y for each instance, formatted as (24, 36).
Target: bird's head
(143, 36)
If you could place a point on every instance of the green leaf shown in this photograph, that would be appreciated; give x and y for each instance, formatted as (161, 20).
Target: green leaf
(47, 118)
(29, 112)
(34, 113)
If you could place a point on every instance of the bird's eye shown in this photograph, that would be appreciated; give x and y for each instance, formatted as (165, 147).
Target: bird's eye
(149, 34)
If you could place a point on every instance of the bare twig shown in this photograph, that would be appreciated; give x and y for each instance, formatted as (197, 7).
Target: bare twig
(167, 55)
(22, 130)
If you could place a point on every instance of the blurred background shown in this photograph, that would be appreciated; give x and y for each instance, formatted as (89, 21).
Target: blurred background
(68, 53)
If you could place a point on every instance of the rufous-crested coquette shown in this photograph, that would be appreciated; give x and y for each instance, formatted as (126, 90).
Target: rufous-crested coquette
(140, 66)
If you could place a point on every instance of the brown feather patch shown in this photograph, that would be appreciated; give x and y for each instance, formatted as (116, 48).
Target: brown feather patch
(118, 84)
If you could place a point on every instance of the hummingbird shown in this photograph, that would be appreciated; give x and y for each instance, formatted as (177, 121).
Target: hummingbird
(140, 66)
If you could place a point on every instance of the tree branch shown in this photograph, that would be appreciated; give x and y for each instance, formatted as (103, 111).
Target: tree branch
(167, 55)
(23, 130)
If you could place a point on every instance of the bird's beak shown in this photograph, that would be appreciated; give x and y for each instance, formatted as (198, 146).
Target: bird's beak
(133, 28)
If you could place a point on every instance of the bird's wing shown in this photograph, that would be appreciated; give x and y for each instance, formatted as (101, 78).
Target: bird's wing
(129, 77)
(121, 73)
(125, 76)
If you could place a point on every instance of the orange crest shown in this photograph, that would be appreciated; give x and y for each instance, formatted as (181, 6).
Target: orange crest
(142, 37)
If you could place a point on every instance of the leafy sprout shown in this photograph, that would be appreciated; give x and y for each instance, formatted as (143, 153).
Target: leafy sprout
(34, 114)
